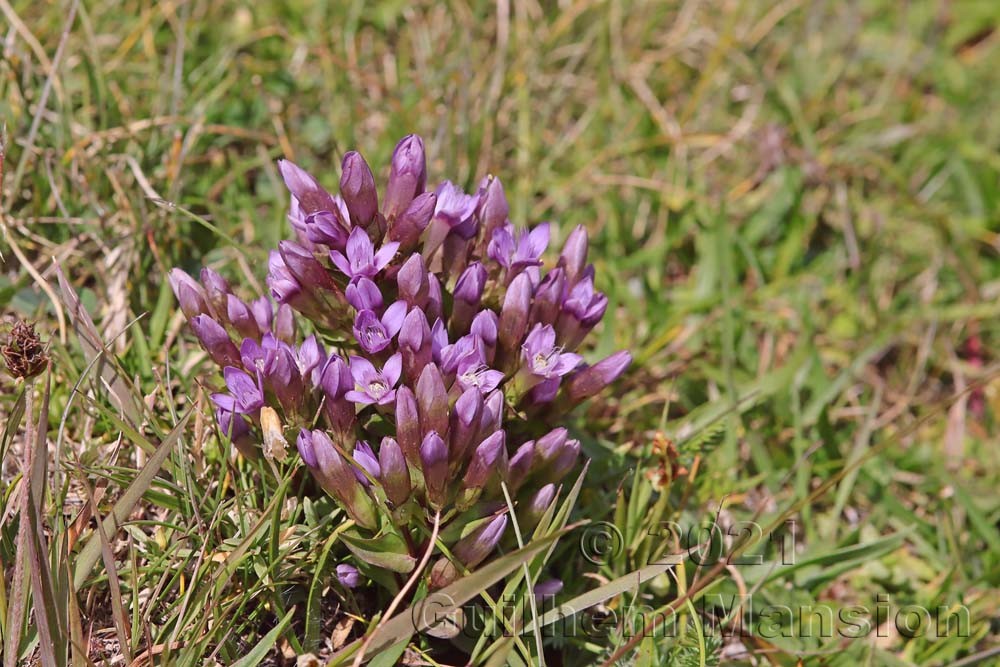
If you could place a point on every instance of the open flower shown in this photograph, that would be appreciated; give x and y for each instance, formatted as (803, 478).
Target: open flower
(361, 259)
(543, 359)
(373, 386)
(374, 334)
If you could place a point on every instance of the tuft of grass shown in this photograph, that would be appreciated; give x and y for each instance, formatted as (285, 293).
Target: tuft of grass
(795, 212)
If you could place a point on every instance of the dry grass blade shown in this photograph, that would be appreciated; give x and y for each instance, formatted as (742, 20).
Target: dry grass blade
(51, 627)
(114, 585)
(92, 550)
(19, 587)
(94, 347)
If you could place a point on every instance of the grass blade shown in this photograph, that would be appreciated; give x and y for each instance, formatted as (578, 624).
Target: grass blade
(91, 551)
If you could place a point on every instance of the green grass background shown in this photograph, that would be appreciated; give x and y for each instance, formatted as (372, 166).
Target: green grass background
(794, 208)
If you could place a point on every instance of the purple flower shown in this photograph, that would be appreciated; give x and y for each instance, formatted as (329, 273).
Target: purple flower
(309, 194)
(245, 396)
(374, 334)
(493, 207)
(514, 313)
(407, 176)
(408, 424)
(263, 312)
(526, 252)
(363, 294)
(574, 254)
(365, 457)
(412, 281)
(439, 340)
(189, 293)
(215, 340)
(591, 380)
(408, 227)
(310, 358)
(415, 343)
(541, 356)
(474, 548)
(462, 349)
(548, 588)
(584, 303)
(361, 258)
(454, 206)
(357, 187)
(484, 461)
(464, 422)
(348, 576)
(374, 386)
(432, 399)
(326, 227)
(395, 475)
(521, 464)
(475, 373)
(434, 462)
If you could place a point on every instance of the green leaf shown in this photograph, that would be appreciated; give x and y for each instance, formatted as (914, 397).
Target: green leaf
(388, 551)
(439, 604)
(267, 642)
(91, 551)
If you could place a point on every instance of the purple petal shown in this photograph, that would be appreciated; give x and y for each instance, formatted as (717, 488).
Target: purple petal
(392, 369)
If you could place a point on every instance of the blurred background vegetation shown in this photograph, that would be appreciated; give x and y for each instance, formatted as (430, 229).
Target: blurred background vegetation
(795, 211)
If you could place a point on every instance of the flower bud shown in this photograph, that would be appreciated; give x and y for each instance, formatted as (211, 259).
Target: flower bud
(434, 298)
(336, 380)
(310, 194)
(357, 187)
(549, 446)
(363, 294)
(412, 281)
(240, 317)
(235, 428)
(493, 208)
(415, 344)
(408, 227)
(434, 463)
(189, 293)
(484, 464)
(408, 430)
(521, 465)
(348, 576)
(215, 340)
(475, 547)
(365, 458)
(284, 324)
(492, 416)
(565, 461)
(407, 175)
(395, 474)
(548, 297)
(217, 290)
(263, 313)
(574, 254)
(547, 589)
(592, 379)
(338, 479)
(432, 400)
(537, 506)
(514, 314)
(464, 422)
(468, 294)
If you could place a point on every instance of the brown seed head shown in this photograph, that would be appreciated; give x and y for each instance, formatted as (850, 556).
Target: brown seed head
(23, 352)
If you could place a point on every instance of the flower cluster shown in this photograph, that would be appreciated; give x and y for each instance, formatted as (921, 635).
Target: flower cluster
(440, 352)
